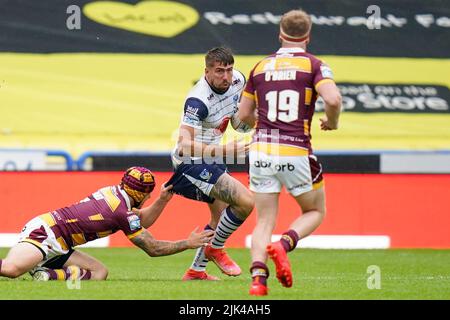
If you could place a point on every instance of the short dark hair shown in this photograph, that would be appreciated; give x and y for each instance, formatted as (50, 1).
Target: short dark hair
(223, 55)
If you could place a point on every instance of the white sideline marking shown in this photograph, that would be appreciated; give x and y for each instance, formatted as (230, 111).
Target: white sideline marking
(336, 242)
(7, 240)
(415, 163)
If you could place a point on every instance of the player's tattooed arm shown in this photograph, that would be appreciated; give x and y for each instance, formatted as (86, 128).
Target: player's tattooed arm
(157, 248)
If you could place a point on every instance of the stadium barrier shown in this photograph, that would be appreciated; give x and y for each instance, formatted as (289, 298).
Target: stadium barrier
(364, 210)
(118, 161)
(346, 161)
(341, 161)
(35, 160)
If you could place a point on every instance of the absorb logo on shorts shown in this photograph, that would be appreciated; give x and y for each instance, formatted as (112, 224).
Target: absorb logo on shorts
(278, 167)
(164, 19)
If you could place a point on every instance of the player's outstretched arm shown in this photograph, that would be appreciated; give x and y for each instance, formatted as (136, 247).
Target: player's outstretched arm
(157, 248)
(332, 98)
(150, 214)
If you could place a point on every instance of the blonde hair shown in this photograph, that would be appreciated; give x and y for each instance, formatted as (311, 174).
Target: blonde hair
(295, 26)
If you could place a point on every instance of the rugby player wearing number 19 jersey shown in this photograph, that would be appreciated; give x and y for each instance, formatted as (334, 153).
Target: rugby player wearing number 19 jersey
(283, 88)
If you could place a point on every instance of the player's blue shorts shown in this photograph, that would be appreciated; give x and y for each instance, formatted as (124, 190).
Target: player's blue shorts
(195, 181)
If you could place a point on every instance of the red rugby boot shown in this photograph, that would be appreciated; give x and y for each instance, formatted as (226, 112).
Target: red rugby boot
(223, 261)
(258, 289)
(192, 274)
(279, 256)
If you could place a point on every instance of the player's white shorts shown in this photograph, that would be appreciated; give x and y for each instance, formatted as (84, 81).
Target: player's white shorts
(299, 174)
(38, 233)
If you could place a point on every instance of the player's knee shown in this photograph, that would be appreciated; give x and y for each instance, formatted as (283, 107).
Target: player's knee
(249, 204)
(103, 274)
(10, 270)
(322, 209)
(246, 205)
(266, 224)
(100, 273)
(321, 212)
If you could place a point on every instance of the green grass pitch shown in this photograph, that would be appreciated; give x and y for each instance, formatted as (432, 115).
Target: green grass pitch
(318, 274)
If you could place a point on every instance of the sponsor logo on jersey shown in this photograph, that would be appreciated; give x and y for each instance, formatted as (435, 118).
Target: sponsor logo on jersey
(326, 71)
(56, 215)
(97, 196)
(192, 110)
(190, 119)
(134, 222)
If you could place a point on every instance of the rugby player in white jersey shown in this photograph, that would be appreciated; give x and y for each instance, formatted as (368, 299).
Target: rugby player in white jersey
(200, 172)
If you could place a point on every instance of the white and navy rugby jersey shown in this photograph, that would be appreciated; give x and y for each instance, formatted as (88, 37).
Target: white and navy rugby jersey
(209, 111)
